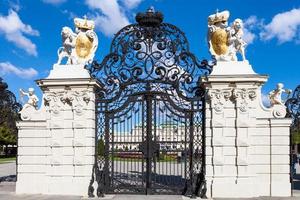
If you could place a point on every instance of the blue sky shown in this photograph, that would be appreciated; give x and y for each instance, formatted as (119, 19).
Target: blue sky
(30, 32)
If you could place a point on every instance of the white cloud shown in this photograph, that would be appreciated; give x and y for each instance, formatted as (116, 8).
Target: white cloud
(248, 36)
(8, 68)
(111, 15)
(131, 3)
(251, 22)
(251, 25)
(14, 4)
(284, 26)
(54, 2)
(14, 31)
(71, 15)
(111, 18)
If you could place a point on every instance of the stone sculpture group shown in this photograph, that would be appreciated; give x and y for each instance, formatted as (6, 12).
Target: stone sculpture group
(78, 47)
(225, 41)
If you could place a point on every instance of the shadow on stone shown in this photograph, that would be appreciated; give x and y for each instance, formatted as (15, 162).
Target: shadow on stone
(10, 178)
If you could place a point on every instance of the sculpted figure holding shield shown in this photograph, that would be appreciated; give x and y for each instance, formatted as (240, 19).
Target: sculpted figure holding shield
(78, 47)
(225, 41)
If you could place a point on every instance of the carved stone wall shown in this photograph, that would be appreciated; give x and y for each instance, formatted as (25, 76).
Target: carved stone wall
(246, 143)
(60, 156)
(32, 156)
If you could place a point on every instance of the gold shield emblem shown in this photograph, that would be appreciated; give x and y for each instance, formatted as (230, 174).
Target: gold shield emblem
(219, 40)
(83, 46)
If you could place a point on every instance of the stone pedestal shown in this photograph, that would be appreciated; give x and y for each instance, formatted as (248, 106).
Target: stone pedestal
(57, 147)
(247, 145)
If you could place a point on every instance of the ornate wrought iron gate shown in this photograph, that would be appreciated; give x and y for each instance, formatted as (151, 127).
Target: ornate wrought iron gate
(293, 111)
(150, 135)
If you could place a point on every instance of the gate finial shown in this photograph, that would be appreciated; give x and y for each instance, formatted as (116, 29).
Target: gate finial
(149, 18)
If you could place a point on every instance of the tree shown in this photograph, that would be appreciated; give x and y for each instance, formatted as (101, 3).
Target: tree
(9, 109)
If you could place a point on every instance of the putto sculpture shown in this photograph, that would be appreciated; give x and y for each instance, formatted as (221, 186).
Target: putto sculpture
(78, 47)
(225, 41)
(275, 95)
(32, 99)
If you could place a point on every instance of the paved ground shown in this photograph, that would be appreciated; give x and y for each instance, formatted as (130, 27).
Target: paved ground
(7, 188)
(118, 197)
(7, 170)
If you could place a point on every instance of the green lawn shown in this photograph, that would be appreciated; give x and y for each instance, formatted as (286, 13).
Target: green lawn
(6, 160)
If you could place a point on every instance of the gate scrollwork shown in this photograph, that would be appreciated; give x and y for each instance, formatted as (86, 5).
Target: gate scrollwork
(150, 112)
(150, 53)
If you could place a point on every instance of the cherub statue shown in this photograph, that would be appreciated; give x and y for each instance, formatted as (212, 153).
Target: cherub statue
(67, 50)
(32, 98)
(237, 44)
(275, 95)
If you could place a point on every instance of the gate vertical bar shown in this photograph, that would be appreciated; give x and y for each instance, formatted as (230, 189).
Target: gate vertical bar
(148, 138)
(202, 192)
(191, 146)
(106, 152)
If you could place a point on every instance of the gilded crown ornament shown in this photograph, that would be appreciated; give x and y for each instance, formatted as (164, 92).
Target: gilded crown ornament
(225, 41)
(218, 17)
(84, 23)
(78, 47)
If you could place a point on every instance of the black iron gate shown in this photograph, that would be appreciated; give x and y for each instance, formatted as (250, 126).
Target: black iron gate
(150, 112)
(293, 111)
(148, 146)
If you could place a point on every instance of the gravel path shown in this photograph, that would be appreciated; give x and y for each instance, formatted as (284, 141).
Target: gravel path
(7, 188)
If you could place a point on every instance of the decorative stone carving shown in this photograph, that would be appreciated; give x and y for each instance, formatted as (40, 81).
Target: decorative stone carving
(252, 94)
(53, 99)
(275, 95)
(220, 97)
(57, 100)
(243, 95)
(78, 109)
(225, 41)
(78, 47)
(279, 111)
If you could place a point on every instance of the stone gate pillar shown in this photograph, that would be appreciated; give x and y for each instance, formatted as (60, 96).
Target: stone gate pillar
(57, 143)
(247, 144)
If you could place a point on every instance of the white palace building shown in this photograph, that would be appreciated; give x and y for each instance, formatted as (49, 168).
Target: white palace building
(165, 133)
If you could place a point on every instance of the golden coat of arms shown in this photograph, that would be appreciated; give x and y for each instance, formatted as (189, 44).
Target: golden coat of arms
(83, 45)
(219, 42)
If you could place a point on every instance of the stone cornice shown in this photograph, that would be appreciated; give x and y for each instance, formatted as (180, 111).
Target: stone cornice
(246, 78)
(44, 83)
